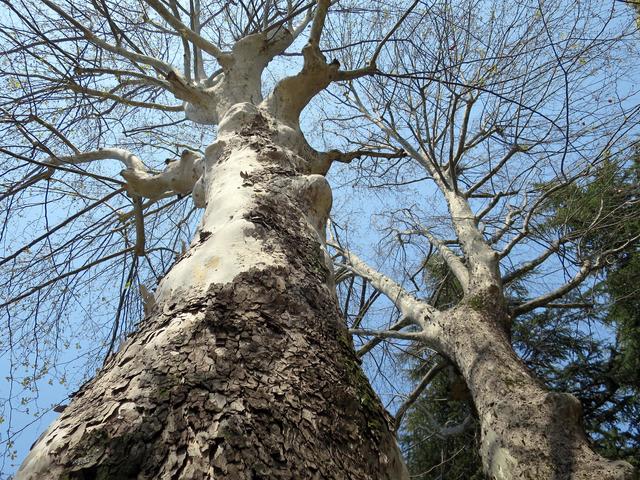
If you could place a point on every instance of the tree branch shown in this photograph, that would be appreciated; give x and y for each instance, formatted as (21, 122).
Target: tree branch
(385, 334)
(367, 347)
(86, 266)
(134, 57)
(585, 269)
(185, 32)
(409, 306)
(413, 396)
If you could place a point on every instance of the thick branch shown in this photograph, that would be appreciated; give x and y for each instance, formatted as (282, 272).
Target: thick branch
(453, 261)
(416, 311)
(318, 22)
(179, 177)
(292, 94)
(139, 221)
(128, 159)
(324, 160)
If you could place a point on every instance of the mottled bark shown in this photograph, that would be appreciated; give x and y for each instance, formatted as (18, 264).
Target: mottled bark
(527, 432)
(244, 369)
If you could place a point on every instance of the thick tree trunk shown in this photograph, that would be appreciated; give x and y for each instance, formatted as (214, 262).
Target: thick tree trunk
(527, 432)
(244, 369)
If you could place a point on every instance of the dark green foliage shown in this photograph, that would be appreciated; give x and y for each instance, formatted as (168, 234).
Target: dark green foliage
(564, 350)
(430, 452)
(602, 216)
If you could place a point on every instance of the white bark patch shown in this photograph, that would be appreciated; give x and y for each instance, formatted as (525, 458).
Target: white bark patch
(205, 114)
(317, 192)
(501, 462)
(236, 117)
(223, 248)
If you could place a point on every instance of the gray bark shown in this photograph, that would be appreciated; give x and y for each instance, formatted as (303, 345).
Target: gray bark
(527, 432)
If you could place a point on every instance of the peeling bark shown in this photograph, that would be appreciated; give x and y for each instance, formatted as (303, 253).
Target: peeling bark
(527, 432)
(243, 369)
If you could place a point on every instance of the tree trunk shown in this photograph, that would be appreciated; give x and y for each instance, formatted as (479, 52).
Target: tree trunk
(527, 432)
(244, 369)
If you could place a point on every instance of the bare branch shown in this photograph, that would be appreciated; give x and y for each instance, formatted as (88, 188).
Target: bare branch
(384, 334)
(87, 266)
(410, 307)
(376, 53)
(585, 269)
(371, 344)
(222, 58)
(415, 394)
(134, 57)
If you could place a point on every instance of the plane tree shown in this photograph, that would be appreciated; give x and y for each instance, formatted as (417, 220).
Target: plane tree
(242, 366)
(501, 109)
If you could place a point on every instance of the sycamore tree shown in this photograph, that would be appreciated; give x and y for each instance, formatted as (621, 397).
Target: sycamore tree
(241, 367)
(238, 363)
(501, 108)
(560, 345)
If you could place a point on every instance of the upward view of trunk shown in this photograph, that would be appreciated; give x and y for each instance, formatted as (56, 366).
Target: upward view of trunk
(527, 432)
(244, 369)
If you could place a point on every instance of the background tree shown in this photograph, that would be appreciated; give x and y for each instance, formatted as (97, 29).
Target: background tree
(491, 138)
(598, 369)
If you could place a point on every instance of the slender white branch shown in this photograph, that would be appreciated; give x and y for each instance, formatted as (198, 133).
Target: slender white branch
(303, 24)
(120, 99)
(128, 159)
(542, 300)
(410, 307)
(531, 264)
(508, 223)
(186, 32)
(524, 231)
(392, 132)
(585, 269)
(453, 261)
